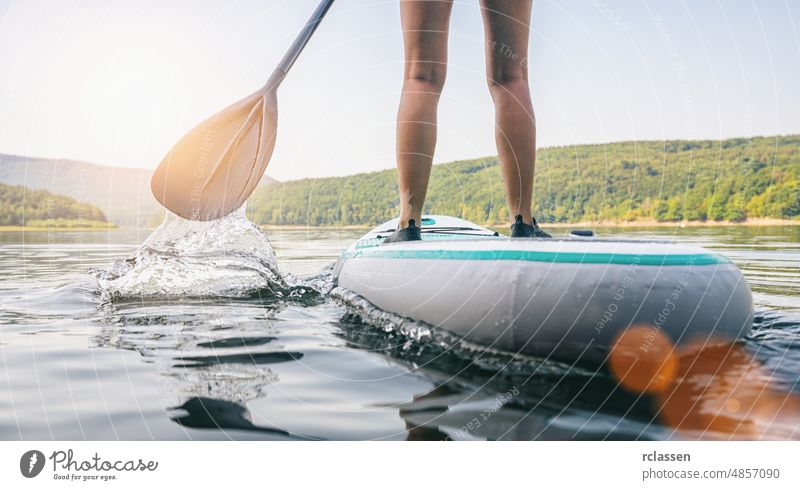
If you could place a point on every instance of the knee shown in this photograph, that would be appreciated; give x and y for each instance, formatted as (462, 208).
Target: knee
(425, 76)
(505, 81)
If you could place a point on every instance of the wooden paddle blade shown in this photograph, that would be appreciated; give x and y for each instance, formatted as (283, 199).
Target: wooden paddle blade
(215, 167)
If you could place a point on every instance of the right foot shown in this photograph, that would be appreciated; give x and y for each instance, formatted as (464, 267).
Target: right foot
(408, 234)
(521, 229)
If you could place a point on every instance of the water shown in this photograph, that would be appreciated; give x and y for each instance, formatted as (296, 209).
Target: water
(265, 353)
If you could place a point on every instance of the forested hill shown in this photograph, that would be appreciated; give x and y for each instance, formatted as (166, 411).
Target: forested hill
(123, 194)
(28, 207)
(732, 180)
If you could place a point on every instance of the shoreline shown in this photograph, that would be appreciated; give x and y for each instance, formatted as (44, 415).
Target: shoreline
(679, 224)
(582, 224)
(39, 229)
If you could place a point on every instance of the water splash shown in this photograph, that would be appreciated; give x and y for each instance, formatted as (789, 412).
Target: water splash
(229, 257)
(322, 282)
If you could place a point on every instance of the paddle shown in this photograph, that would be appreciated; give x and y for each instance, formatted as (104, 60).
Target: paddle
(213, 169)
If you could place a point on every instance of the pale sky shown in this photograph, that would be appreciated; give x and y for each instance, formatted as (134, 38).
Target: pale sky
(118, 82)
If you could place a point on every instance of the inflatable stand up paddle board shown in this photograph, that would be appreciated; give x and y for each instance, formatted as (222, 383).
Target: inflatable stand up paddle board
(564, 298)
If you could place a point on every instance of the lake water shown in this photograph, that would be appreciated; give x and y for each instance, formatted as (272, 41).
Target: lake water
(83, 362)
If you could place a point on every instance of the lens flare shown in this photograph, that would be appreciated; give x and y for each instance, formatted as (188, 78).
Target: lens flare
(723, 392)
(643, 359)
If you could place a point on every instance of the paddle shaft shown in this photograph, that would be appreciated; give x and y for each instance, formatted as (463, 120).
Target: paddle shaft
(302, 39)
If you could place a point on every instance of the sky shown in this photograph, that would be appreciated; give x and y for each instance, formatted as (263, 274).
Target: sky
(118, 82)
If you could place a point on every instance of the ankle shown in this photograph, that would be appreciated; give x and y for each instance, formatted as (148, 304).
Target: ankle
(527, 218)
(405, 220)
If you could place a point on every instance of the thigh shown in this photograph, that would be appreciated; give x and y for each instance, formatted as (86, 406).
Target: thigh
(425, 29)
(506, 25)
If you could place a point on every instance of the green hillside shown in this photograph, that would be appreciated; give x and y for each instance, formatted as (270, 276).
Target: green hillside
(27, 207)
(123, 194)
(731, 180)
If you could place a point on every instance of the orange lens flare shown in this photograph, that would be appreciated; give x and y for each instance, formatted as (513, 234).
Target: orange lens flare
(705, 390)
(643, 359)
(725, 393)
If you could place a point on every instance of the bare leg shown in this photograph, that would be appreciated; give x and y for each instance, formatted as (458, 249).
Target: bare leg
(425, 28)
(506, 27)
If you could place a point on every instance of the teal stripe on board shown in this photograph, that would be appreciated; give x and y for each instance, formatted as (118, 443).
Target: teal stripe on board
(543, 256)
(372, 242)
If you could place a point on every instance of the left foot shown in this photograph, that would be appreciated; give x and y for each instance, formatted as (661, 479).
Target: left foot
(520, 229)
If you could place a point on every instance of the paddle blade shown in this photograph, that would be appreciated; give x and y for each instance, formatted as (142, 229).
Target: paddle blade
(214, 168)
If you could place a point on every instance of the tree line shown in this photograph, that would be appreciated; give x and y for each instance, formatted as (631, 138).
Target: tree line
(712, 180)
(20, 206)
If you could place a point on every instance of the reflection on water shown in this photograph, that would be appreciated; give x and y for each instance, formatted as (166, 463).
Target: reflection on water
(723, 392)
(284, 361)
(210, 413)
(219, 352)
